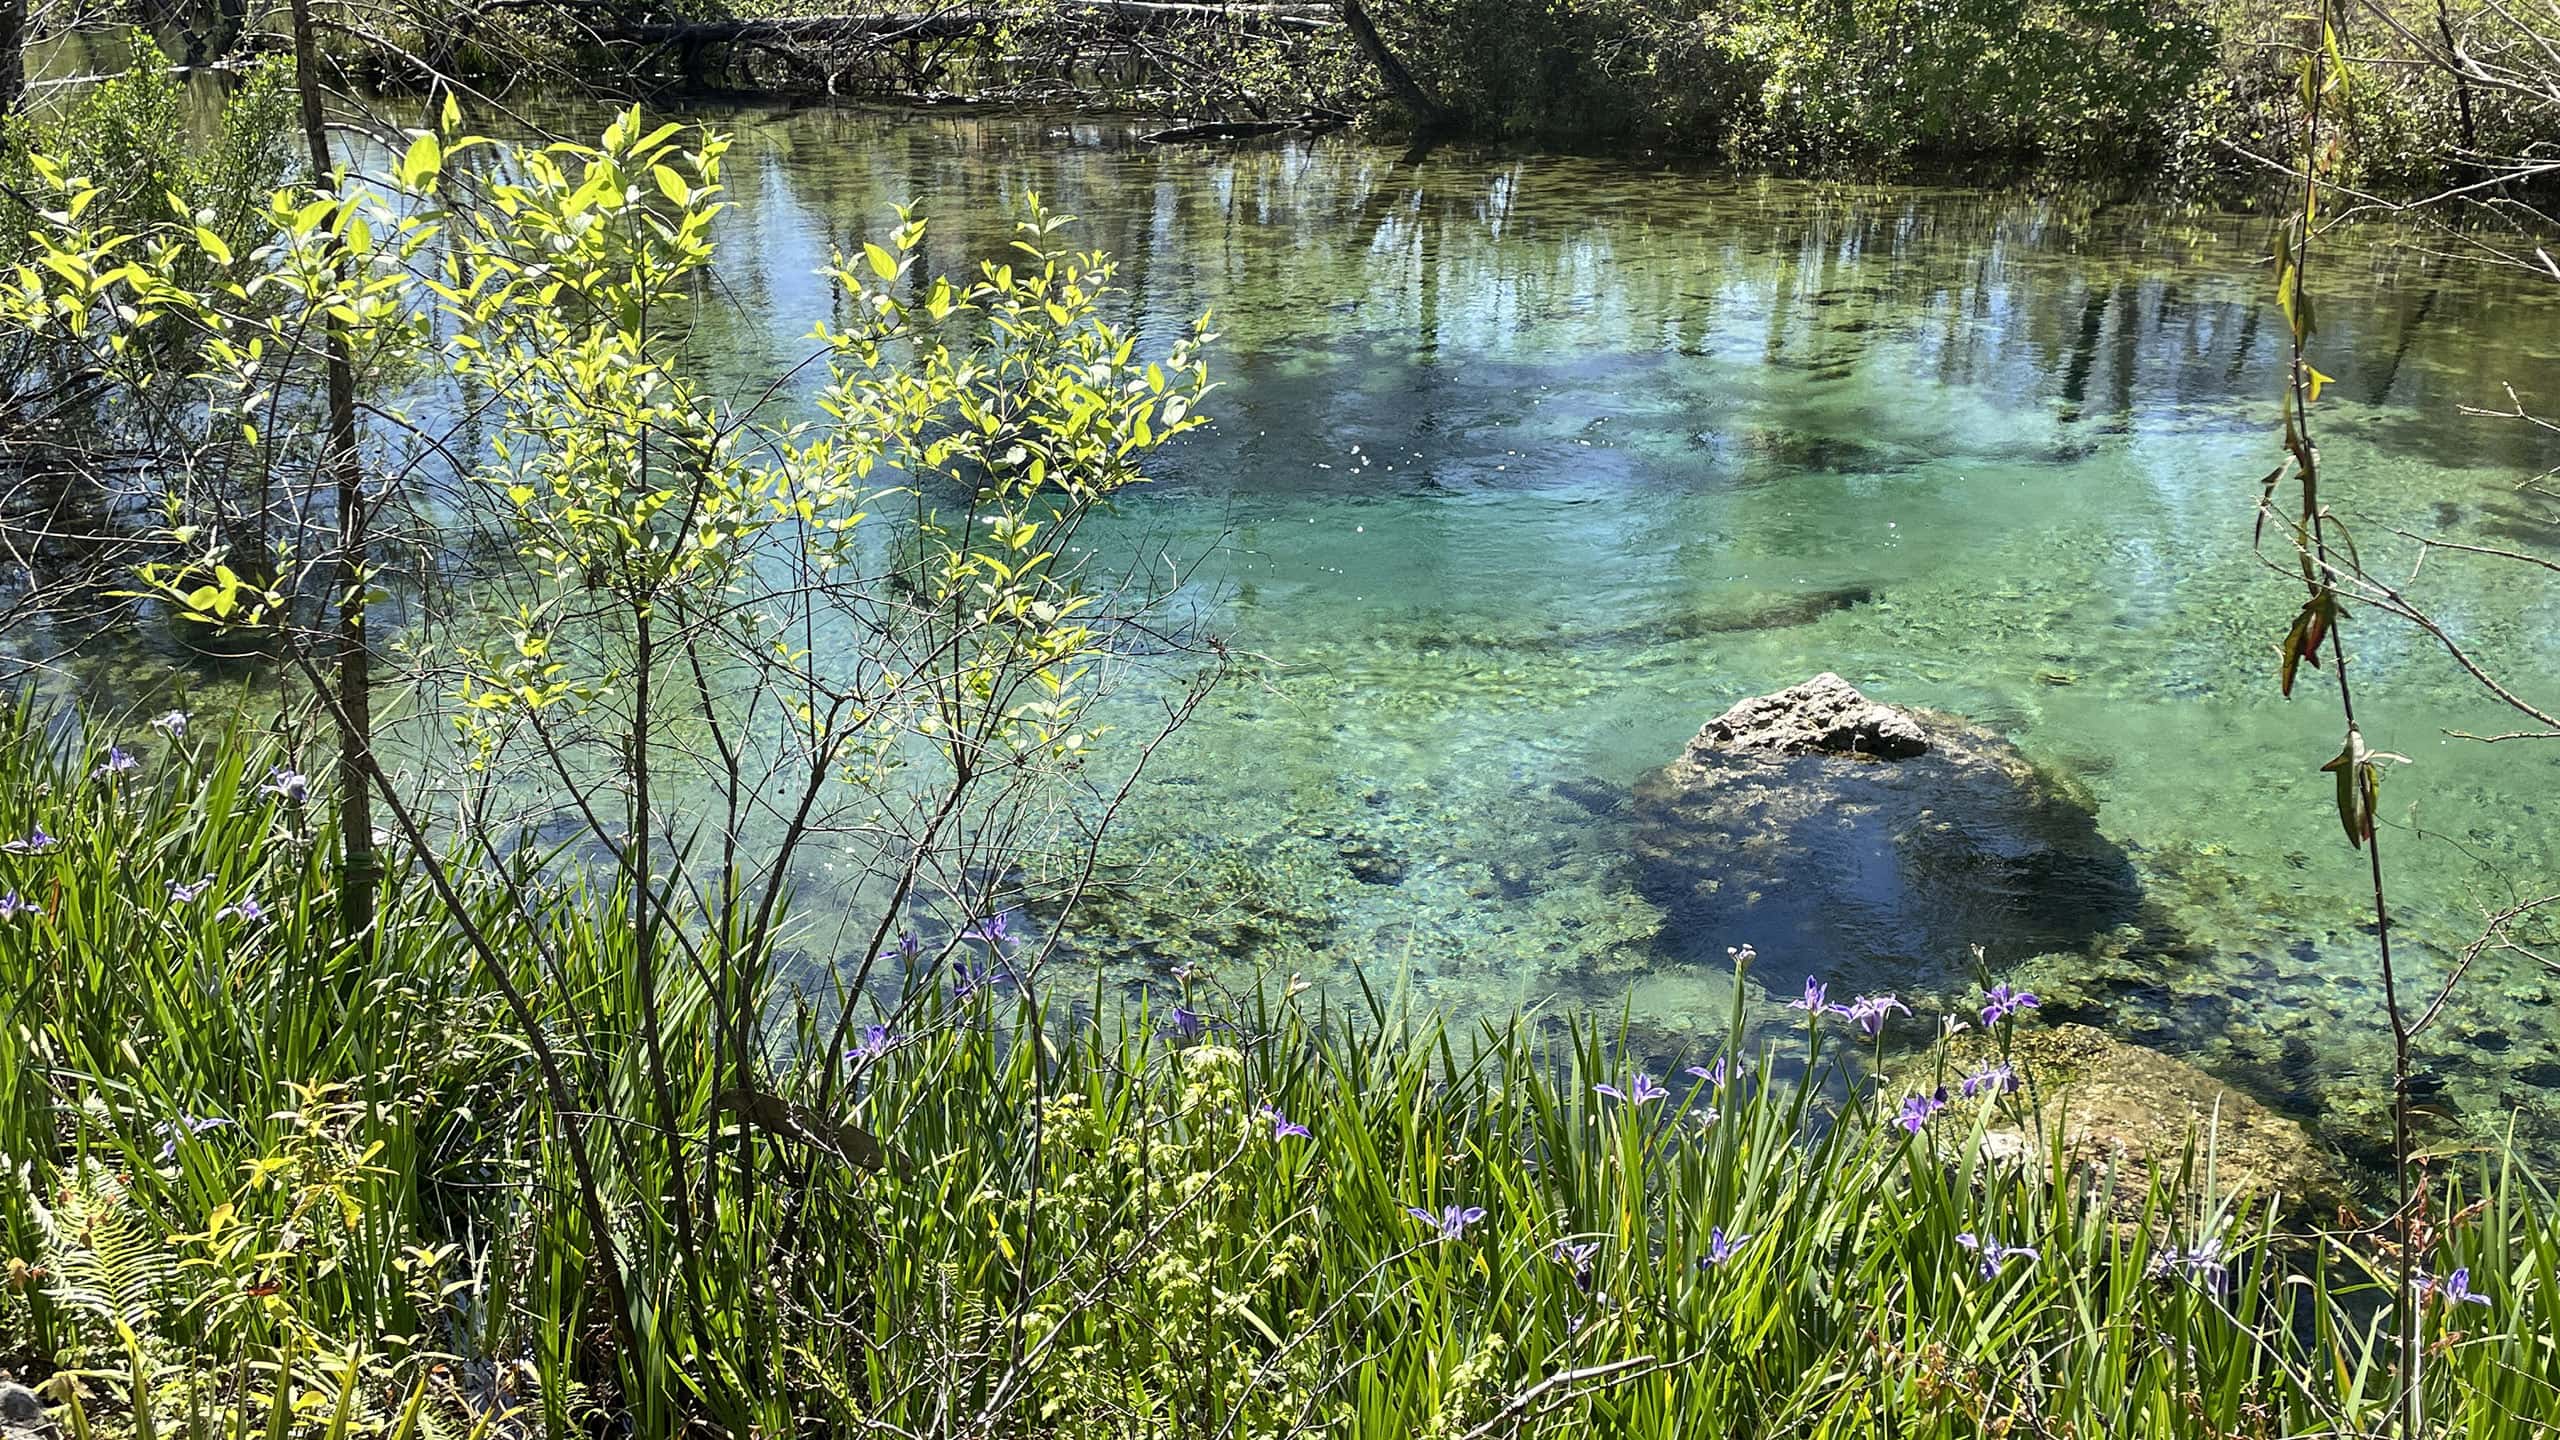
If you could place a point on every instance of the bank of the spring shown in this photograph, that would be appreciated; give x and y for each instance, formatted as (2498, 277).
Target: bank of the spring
(262, 1181)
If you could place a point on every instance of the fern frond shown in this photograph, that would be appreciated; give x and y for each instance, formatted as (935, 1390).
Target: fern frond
(108, 1259)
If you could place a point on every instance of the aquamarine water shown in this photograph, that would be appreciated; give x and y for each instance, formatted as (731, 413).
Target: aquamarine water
(1527, 465)
(1524, 466)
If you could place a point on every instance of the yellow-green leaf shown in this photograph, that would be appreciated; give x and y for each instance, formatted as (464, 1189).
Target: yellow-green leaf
(424, 162)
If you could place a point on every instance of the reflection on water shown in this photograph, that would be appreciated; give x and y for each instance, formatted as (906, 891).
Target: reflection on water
(1524, 467)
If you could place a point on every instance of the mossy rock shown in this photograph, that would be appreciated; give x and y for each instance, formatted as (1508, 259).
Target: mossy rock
(2128, 1113)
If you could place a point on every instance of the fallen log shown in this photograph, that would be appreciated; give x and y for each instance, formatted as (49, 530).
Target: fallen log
(1242, 129)
(1112, 15)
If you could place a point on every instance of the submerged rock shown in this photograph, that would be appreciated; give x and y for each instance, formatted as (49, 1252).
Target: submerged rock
(1870, 844)
(1372, 861)
(2129, 1112)
(1794, 451)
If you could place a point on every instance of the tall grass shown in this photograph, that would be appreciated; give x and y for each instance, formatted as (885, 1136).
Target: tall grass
(265, 1182)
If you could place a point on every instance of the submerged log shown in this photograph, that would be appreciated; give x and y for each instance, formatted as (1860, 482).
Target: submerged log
(1242, 129)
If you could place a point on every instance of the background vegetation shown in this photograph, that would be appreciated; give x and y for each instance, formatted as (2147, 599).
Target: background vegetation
(2185, 94)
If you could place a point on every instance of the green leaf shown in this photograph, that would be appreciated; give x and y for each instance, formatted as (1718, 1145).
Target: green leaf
(2359, 775)
(424, 162)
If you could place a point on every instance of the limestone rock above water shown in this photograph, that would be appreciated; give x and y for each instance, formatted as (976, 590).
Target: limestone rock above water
(1870, 844)
(2129, 1112)
(1823, 716)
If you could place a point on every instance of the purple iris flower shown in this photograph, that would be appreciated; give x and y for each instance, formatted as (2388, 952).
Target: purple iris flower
(184, 1127)
(2453, 1289)
(995, 932)
(2000, 1002)
(1722, 1247)
(1184, 1023)
(1642, 1090)
(1997, 1078)
(1869, 1012)
(173, 724)
(118, 761)
(247, 910)
(1714, 1072)
(1576, 1257)
(1916, 1110)
(968, 980)
(2203, 1264)
(290, 786)
(2457, 1290)
(1282, 1127)
(36, 843)
(11, 907)
(187, 894)
(1451, 1222)
(874, 1044)
(1992, 1254)
(1816, 997)
(910, 946)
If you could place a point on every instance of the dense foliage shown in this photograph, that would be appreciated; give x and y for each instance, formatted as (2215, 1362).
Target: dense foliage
(1864, 83)
(2185, 91)
(2189, 94)
(135, 138)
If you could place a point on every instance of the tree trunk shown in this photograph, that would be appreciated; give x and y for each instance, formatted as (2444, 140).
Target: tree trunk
(2456, 62)
(13, 53)
(1426, 112)
(359, 870)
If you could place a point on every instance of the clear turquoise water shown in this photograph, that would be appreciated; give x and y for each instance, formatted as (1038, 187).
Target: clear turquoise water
(1511, 445)
(1513, 451)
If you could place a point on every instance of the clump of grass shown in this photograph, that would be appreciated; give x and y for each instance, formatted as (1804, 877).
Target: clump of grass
(263, 1179)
